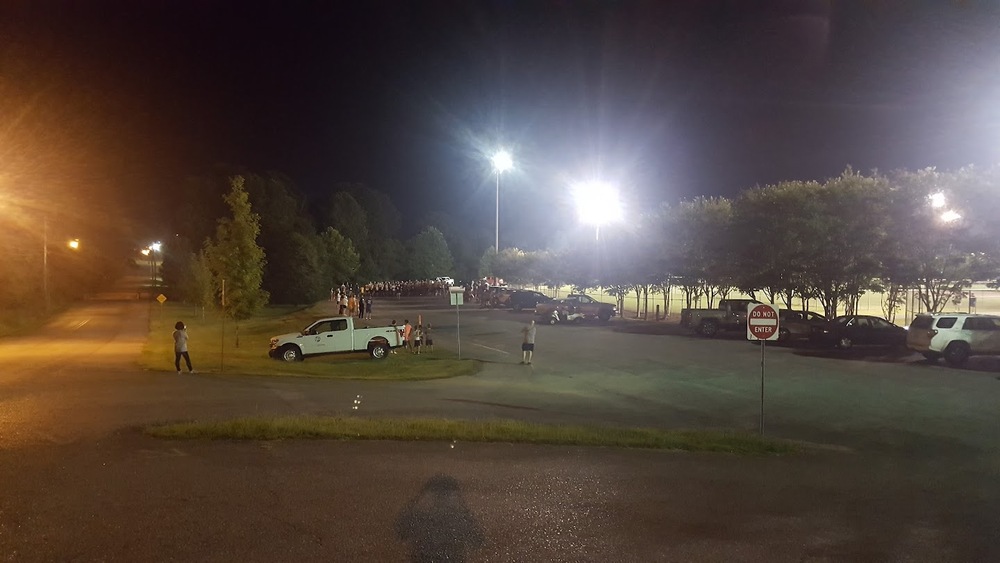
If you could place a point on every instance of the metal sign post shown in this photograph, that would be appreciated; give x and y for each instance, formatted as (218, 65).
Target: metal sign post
(762, 324)
(457, 296)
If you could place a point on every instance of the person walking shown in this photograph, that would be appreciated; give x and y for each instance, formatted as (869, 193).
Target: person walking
(428, 340)
(361, 307)
(343, 304)
(181, 347)
(528, 345)
(418, 335)
(368, 308)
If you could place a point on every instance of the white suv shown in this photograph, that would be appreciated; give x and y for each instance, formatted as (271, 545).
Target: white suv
(954, 336)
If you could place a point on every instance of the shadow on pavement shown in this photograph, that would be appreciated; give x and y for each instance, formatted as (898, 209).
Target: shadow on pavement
(983, 364)
(862, 354)
(437, 524)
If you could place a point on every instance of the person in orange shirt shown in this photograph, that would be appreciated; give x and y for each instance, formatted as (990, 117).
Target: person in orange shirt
(408, 335)
(352, 305)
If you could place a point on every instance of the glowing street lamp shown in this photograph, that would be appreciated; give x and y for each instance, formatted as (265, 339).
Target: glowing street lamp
(152, 249)
(597, 204)
(502, 162)
(74, 244)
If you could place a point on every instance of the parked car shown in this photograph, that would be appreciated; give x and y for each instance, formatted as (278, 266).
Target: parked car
(574, 308)
(522, 299)
(954, 336)
(797, 325)
(847, 331)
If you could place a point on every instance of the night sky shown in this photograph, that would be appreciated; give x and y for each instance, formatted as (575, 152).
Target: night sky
(667, 100)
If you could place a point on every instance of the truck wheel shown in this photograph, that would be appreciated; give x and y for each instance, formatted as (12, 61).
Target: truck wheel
(517, 308)
(605, 316)
(709, 328)
(290, 353)
(845, 343)
(957, 353)
(378, 351)
(931, 356)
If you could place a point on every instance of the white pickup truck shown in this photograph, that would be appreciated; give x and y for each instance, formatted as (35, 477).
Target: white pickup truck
(333, 335)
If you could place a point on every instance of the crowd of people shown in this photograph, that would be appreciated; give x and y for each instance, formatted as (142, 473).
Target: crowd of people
(409, 288)
(354, 304)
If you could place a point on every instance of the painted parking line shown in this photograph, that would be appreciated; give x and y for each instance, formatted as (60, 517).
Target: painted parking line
(488, 348)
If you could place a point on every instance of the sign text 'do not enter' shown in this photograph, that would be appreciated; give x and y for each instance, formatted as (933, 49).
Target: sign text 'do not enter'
(762, 322)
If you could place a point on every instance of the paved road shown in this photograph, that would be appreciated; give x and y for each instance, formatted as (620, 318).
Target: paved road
(909, 471)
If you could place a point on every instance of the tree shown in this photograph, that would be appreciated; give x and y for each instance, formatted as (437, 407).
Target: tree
(236, 260)
(771, 225)
(381, 253)
(347, 217)
(937, 257)
(700, 249)
(429, 256)
(339, 258)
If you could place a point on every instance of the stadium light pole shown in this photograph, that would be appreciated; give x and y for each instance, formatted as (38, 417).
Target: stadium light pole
(597, 204)
(502, 162)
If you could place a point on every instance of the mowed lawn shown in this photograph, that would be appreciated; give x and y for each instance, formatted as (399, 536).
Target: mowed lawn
(213, 348)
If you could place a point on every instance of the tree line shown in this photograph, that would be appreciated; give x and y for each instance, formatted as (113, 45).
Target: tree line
(794, 243)
(259, 237)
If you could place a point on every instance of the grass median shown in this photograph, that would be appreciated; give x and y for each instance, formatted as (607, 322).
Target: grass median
(213, 348)
(445, 430)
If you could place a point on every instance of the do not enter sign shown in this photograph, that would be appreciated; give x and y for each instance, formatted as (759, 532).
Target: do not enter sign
(762, 322)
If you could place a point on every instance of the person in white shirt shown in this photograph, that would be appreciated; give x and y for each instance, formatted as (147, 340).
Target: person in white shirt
(181, 347)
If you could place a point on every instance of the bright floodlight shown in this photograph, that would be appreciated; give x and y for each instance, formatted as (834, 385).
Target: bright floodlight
(950, 216)
(155, 247)
(937, 200)
(144, 252)
(74, 244)
(502, 161)
(597, 203)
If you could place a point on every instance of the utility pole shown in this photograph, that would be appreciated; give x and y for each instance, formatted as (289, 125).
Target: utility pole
(45, 261)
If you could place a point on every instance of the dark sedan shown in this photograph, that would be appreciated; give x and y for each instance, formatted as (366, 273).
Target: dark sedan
(527, 299)
(847, 331)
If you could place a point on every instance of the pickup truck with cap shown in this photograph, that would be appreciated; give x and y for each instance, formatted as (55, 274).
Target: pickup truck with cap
(731, 314)
(336, 335)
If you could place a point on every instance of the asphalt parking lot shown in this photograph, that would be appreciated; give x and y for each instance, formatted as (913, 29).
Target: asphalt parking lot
(900, 463)
(648, 373)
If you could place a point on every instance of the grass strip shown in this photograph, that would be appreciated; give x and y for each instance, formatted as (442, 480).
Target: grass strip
(213, 348)
(510, 431)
